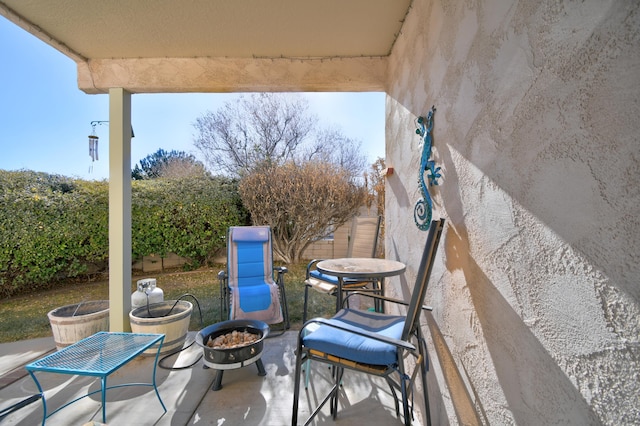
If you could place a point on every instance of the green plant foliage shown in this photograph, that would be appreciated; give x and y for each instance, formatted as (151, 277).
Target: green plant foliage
(188, 217)
(167, 164)
(50, 227)
(54, 228)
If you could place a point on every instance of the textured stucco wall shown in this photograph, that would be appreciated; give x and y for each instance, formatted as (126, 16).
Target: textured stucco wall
(536, 292)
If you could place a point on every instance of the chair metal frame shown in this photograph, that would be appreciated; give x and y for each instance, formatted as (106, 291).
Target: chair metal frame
(19, 405)
(277, 276)
(330, 287)
(411, 344)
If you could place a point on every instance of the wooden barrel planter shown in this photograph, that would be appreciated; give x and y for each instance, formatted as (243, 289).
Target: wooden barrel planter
(72, 323)
(163, 318)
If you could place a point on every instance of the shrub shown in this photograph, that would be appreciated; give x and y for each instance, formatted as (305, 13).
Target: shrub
(188, 217)
(301, 202)
(50, 227)
(53, 227)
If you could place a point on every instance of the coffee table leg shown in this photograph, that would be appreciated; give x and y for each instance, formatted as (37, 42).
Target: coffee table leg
(44, 403)
(103, 381)
(155, 366)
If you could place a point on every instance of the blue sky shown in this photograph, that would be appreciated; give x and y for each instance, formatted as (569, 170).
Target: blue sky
(45, 119)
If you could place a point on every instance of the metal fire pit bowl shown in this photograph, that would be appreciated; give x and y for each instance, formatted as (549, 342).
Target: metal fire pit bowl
(227, 359)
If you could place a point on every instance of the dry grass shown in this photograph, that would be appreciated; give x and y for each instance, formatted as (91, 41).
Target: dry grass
(25, 317)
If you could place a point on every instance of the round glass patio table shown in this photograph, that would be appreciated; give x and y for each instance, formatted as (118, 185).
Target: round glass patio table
(360, 269)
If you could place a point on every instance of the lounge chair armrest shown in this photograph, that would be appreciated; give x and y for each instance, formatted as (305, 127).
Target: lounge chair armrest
(345, 327)
(281, 269)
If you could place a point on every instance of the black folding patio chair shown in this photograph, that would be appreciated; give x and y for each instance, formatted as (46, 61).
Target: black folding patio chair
(372, 343)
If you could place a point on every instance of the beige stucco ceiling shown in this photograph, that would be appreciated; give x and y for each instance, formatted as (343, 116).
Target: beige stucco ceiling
(235, 36)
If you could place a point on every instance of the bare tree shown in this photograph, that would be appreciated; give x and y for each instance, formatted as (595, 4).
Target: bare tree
(300, 202)
(260, 128)
(331, 146)
(375, 183)
(271, 128)
(298, 177)
(182, 168)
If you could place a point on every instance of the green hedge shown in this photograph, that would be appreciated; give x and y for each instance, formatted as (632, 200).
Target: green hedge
(188, 217)
(54, 228)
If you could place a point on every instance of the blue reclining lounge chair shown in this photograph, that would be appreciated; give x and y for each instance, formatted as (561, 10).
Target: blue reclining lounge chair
(248, 289)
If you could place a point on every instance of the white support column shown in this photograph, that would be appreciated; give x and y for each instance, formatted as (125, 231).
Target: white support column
(119, 209)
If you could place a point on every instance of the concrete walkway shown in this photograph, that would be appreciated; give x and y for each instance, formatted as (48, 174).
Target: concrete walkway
(245, 398)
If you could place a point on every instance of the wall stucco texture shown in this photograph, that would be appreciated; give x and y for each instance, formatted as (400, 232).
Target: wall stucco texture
(536, 293)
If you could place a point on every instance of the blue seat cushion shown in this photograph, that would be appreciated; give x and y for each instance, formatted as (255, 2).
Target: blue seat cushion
(253, 290)
(331, 279)
(254, 298)
(314, 273)
(354, 347)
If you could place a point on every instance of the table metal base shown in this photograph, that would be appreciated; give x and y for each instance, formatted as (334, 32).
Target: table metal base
(98, 356)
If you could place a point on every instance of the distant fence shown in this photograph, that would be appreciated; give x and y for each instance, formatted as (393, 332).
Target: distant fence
(323, 249)
(330, 248)
(155, 263)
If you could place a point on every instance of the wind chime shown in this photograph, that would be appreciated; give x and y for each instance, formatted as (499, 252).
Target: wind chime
(93, 143)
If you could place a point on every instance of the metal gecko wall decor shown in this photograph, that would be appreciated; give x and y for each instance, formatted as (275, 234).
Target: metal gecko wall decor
(423, 208)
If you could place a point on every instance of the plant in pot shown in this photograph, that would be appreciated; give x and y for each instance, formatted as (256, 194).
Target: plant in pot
(72, 323)
(170, 317)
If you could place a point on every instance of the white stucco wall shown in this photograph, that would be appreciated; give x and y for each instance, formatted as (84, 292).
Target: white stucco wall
(536, 292)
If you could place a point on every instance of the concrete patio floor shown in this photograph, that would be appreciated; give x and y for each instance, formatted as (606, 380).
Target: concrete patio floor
(245, 397)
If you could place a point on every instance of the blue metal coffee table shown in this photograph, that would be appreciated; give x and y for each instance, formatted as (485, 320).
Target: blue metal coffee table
(98, 356)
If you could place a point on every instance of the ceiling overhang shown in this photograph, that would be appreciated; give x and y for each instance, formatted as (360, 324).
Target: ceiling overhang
(221, 75)
(218, 45)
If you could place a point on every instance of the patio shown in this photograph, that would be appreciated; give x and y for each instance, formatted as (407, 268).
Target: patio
(245, 398)
(536, 294)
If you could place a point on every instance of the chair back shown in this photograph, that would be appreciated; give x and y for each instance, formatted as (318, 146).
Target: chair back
(250, 274)
(422, 280)
(363, 240)
(250, 255)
